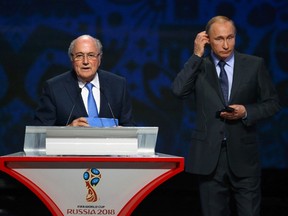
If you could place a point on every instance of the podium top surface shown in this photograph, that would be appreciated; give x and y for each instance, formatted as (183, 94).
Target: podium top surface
(64, 131)
(21, 157)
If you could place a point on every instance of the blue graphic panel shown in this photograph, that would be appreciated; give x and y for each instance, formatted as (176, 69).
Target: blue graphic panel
(147, 41)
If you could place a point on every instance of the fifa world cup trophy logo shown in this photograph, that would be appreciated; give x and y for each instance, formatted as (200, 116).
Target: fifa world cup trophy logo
(92, 177)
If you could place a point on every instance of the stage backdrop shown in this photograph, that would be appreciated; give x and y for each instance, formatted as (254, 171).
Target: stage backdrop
(147, 41)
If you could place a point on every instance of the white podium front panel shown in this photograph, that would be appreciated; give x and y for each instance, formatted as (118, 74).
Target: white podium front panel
(92, 185)
(67, 188)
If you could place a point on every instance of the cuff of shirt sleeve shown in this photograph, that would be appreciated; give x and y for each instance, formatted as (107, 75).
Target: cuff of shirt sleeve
(245, 117)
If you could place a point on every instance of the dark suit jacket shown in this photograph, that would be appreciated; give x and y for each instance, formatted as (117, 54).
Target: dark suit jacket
(251, 87)
(62, 92)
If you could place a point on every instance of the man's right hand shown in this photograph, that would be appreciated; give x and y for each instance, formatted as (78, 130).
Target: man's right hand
(79, 122)
(199, 43)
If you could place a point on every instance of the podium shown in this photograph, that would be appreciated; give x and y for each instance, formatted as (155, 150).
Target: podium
(91, 184)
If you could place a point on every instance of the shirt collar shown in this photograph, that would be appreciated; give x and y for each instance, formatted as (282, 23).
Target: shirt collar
(229, 61)
(95, 82)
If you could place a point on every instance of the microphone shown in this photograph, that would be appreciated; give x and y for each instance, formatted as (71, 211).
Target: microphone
(110, 109)
(73, 107)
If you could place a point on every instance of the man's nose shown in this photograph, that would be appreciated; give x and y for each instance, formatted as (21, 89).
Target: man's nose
(85, 59)
(225, 44)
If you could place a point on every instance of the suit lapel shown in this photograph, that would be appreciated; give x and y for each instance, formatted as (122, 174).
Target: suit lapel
(212, 77)
(104, 86)
(238, 74)
(74, 93)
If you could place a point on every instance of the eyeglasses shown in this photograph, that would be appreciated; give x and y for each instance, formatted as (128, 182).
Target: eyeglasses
(82, 56)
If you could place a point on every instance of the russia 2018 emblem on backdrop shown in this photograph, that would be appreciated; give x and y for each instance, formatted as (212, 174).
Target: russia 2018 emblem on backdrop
(92, 177)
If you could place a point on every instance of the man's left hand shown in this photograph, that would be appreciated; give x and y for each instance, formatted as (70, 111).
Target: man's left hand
(238, 113)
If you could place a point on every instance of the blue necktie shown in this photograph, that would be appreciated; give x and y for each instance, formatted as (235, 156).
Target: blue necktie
(92, 108)
(224, 81)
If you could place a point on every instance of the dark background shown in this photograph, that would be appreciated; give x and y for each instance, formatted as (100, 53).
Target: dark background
(146, 41)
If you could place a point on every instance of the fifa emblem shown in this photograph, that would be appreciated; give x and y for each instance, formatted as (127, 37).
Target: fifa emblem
(92, 177)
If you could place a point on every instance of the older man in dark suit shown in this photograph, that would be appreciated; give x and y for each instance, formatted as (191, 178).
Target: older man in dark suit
(64, 98)
(232, 92)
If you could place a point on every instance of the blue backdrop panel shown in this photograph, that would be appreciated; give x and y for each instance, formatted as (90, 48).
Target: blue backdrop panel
(147, 41)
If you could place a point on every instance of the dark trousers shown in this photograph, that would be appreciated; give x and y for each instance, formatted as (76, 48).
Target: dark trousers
(217, 190)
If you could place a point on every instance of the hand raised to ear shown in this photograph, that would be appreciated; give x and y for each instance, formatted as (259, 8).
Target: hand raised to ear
(199, 43)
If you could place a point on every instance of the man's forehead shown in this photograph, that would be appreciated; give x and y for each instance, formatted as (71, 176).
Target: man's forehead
(222, 28)
(85, 45)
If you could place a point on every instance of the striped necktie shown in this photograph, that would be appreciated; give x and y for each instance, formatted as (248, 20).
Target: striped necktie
(224, 81)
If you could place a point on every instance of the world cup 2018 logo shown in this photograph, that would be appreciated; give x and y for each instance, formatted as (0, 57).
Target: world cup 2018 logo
(92, 177)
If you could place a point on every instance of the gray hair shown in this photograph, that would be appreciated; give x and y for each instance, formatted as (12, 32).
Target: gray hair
(72, 44)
